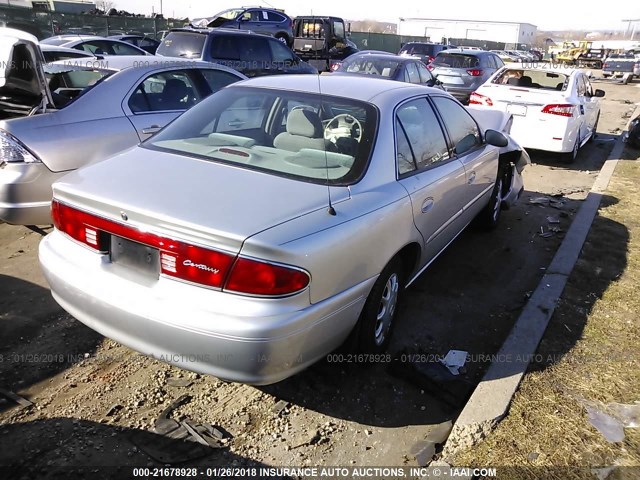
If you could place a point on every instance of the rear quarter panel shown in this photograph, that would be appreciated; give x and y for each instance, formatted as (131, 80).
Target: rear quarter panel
(343, 250)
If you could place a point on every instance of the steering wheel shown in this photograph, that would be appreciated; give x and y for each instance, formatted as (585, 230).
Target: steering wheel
(343, 126)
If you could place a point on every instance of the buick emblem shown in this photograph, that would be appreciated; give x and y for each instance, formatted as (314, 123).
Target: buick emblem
(124, 216)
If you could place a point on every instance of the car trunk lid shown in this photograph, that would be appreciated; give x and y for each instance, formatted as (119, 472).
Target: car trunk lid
(519, 101)
(22, 80)
(196, 200)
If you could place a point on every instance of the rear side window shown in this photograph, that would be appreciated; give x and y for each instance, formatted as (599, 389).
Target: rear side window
(225, 47)
(217, 79)
(253, 48)
(164, 92)
(274, 17)
(182, 44)
(123, 49)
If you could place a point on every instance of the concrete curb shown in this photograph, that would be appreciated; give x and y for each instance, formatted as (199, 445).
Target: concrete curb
(490, 401)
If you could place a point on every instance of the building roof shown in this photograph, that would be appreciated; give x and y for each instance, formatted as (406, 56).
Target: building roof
(417, 19)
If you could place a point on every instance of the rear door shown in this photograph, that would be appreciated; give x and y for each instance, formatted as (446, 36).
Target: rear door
(160, 98)
(433, 179)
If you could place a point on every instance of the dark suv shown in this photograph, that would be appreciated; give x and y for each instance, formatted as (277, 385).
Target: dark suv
(260, 20)
(247, 52)
(423, 50)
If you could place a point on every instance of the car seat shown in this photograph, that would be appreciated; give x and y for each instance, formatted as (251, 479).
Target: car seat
(525, 81)
(176, 95)
(304, 130)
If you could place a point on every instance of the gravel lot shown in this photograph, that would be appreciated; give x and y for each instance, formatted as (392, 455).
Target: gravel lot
(95, 401)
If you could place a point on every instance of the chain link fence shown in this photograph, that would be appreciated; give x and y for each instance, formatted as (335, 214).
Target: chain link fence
(47, 24)
(392, 43)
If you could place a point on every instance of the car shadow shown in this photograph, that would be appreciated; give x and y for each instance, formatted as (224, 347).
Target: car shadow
(39, 339)
(591, 156)
(73, 448)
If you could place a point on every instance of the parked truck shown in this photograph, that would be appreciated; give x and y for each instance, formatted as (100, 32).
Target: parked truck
(625, 65)
(322, 41)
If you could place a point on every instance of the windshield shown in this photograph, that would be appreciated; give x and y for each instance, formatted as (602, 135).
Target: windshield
(371, 66)
(182, 44)
(310, 137)
(229, 14)
(531, 78)
(458, 60)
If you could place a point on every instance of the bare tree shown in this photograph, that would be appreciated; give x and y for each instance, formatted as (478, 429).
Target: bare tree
(105, 5)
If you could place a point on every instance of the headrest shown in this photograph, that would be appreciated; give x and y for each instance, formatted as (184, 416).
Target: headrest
(305, 123)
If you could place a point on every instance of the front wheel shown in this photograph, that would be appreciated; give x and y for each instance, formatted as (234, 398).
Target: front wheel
(571, 156)
(489, 217)
(374, 328)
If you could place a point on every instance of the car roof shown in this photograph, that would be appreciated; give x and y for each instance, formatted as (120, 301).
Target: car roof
(462, 51)
(381, 56)
(150, 62)
(211, 30)
(357, 87)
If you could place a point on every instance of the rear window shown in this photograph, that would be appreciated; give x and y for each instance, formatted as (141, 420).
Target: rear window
(541, 79)
(456, 60)
(418, 49)
(311, 137)
(371, 66)
(182, 44)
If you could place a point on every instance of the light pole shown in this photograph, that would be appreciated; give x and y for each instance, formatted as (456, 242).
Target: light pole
(633, 28)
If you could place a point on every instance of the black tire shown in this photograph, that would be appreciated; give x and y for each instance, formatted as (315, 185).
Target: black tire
(489, 217)
(595, 128)
(372, 333)
(571, 157)
(283, 38)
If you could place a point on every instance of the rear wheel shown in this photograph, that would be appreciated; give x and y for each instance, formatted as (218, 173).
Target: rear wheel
(595, 128)
(374, 328)
(283, 38)
(571, 156)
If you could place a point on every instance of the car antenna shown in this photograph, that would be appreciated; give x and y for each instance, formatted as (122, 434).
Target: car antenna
(330, 209)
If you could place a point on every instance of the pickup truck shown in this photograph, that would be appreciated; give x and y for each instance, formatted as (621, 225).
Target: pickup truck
(322, 41)
(625, 65)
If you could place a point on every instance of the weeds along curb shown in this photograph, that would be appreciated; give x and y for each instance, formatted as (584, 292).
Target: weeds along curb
(490, 401)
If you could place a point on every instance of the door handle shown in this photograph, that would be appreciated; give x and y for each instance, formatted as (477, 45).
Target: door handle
(472, 178)
(427, 205)
(151, 130)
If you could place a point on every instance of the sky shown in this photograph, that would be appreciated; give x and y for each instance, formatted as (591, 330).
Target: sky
(546, 14)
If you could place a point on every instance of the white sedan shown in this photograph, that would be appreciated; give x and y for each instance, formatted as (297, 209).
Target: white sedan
(556, 110)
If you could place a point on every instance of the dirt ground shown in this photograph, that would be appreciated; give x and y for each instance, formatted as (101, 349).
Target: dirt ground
(94, 401)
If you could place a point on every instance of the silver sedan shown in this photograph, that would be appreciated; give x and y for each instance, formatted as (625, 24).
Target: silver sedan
(97, 107)
(275, 219)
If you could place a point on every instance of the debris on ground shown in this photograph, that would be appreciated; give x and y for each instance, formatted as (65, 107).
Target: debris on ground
(280, 407)
(16, 398)
(454, 361)
(553, 219)
(113, 410)
(179, 382)
(172, 441)
(434, 378)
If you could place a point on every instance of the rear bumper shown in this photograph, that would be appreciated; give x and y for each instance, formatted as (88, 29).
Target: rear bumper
(25, 193)
(233, 337)
(551, 135)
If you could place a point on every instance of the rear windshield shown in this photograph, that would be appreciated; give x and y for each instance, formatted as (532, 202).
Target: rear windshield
(541, 79)
(56, 41)
(371, 66)
(418, 49)
(66, 83)
(310, 137)
(182, 44)
(456, 60)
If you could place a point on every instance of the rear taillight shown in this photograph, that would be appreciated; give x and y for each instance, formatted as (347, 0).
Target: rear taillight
(260, 278)
(605, 65)
(335, 66)
(562, 109)
(181, 260)
(431, 59)
(430, 67)
(475, 72)
(477, 99)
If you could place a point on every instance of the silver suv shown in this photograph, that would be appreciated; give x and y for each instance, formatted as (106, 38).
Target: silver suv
(260, 20)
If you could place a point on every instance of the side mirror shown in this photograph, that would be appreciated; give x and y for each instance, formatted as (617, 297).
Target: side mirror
(599, 93)
(495, 138)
